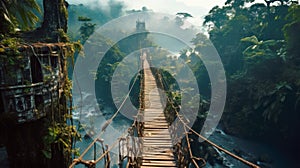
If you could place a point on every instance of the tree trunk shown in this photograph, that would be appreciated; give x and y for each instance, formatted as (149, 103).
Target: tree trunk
(55, 18)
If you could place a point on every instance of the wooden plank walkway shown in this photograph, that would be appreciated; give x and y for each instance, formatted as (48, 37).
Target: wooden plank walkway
(157, 143)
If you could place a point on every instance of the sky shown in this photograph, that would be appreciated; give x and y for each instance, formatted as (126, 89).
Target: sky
(197, 8)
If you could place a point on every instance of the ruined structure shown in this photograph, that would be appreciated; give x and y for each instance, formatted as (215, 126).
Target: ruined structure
(33, 81)
(32, 98)
(140, 26)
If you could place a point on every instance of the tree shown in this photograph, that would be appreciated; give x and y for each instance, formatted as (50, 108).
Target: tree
(259, 46)
(261, 51)
(184, 14)
(21, 14)
(235, 21)
(87, 28)
(55, 18)
(291, 31)
(17, 14)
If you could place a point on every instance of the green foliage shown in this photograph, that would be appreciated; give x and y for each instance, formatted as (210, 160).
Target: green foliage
(217, 17)
(81, 13)
(252, 39)
(238, 3)
(86, 30)
(10, 46)
(77, 47)
(176, 97)
(272, 103)
(259, 46)
(263, 50)
(200, 41)
(18, 14)
(84, 19)
(233, 22)
(193, 57)
(291, 30)
(67, 88)
(61, 133)
(11, 59)
(63, 37)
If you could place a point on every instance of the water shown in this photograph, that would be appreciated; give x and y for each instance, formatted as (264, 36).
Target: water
(249, 149)
(91, 121)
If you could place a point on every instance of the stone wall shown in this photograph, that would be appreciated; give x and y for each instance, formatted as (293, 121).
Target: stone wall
(32, 80)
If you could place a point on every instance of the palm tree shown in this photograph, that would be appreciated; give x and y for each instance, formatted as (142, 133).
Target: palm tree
(17, 14)
(21, 14)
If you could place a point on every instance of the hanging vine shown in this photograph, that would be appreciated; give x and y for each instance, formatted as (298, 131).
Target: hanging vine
(61, 131)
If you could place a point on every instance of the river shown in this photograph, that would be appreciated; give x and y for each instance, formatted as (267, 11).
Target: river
(272, 157)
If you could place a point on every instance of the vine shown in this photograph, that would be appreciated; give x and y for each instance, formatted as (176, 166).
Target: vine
(60, 132)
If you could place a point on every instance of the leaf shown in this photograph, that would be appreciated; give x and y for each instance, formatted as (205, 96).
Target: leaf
(47, 154)
(283, 57)
(288, 87)
(252, 39)
(253, 47)
(64, 143)
(270, 42)
(7, 18)
(83, 19)
(22, 13)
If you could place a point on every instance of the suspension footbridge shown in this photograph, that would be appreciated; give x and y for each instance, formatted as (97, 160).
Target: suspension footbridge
(149, 142)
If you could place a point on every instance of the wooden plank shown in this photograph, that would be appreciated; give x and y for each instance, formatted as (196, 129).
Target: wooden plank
(158, 158)
(160, 164)
(157, 138)
(157, 143)
(147, 156)
(156, 167)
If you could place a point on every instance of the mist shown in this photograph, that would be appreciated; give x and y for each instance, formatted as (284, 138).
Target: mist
(104, 11)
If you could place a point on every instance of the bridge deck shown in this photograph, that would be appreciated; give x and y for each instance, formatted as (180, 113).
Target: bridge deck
(157, 143)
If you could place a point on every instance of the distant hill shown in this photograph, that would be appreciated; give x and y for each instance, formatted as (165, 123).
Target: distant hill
(98, 15)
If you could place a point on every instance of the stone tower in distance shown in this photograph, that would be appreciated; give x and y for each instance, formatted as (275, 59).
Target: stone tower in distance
(140, 26)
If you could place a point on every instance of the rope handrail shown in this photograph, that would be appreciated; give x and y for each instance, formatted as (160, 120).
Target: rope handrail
(222, 149)
(205, 139)
(106, 124)
(190, 150)
(122, 136)
(162, 83)
(133, 153)
(110, 148)
(213, 144)
(94, 162)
